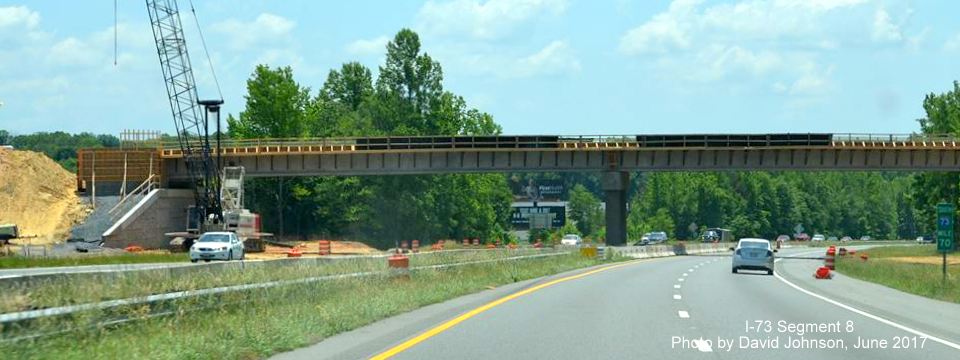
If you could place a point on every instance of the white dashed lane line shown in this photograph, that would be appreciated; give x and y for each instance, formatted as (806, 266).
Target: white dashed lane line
(676, 286)
(683, 314)
(680, 279)
(684, 274)
(677, 297)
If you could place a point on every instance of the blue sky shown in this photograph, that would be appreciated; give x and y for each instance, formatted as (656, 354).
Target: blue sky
(538, 66)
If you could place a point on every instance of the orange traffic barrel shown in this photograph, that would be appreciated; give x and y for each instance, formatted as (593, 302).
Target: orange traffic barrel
(476, 241)
(828, 260)
(295, 252)
(466, 242)
(324, 247)
(415, 246)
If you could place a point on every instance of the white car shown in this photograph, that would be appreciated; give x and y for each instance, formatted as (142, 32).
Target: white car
(571, 239)
(753, 254)
(217, 245)
(818, 237)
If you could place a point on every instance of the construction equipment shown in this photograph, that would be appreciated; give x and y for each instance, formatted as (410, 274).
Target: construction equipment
(7, 232)
(190, 115)
(218, 200)
(236, 218)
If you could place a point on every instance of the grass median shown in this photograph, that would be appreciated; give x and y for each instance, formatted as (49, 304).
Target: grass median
(84, 288)
(258, 323)
(915, 269)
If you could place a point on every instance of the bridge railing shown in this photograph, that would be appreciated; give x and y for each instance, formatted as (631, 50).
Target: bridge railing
(573, 141)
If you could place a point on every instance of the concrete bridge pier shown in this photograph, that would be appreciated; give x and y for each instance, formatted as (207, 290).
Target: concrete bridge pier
(615, 184)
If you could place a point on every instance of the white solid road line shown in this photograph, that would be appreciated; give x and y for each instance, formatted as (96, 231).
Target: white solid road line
(864, 313)
(683, 314)
(676, 297)
(676, 286)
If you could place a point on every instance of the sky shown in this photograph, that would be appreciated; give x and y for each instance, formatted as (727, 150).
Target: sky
(538, 66)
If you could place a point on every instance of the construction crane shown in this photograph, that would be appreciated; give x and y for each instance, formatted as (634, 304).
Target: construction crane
(219, 196)
(190, 114)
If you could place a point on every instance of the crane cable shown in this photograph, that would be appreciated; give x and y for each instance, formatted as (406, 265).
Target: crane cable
(205, 51)
(116, 45)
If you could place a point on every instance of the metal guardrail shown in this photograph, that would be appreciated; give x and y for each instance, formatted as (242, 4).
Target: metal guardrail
(8, 320)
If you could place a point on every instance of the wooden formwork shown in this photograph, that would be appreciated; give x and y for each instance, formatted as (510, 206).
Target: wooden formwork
(117, 165)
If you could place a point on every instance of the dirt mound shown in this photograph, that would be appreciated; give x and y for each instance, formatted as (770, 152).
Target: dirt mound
(39, 196)
(311, 249)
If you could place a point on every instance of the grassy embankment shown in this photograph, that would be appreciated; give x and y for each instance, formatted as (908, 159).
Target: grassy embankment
(257, 323)
(914, 269)
(16, 262)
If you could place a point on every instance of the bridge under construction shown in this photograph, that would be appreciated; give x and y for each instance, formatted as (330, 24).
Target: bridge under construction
(110, 170)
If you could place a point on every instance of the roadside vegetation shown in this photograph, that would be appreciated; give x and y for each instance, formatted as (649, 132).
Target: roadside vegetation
(17, 262)
(258, 323)
(81, 288)
(914, 269)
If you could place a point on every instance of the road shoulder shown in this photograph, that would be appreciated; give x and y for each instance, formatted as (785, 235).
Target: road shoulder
(935, 317)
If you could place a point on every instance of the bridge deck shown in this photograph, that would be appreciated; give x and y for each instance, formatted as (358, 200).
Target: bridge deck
(257, 147)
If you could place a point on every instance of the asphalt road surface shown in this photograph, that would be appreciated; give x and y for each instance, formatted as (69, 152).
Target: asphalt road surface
(689, 307)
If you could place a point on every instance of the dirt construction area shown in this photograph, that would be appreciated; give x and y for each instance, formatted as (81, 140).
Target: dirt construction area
(37, 195)
(311, 249)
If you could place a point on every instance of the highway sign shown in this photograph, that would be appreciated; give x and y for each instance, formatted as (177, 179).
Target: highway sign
(945, 219)
(693, 228)
(798, 229)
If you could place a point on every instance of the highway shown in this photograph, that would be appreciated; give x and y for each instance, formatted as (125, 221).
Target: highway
(662, 309)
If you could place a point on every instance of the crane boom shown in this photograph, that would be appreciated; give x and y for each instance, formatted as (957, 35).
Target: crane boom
(189, 113)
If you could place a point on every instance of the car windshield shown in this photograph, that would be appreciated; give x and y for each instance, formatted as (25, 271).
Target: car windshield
(754, 244)
(214, 238)
(570, 237)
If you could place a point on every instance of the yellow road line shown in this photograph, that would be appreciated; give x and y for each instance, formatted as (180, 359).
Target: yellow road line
(459, 319)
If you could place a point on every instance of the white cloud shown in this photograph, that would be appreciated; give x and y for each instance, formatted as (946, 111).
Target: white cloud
(267, 28)
(884, 30)
(666, 31)
(555, 58)
(773, 45)
(18, 16)
(483, 20)
(952, 44)
(365, 47)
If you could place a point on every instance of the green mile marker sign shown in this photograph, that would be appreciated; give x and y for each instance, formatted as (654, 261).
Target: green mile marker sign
(945, 224)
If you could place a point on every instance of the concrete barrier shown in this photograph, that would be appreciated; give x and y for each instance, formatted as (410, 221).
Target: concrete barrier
(654, 251)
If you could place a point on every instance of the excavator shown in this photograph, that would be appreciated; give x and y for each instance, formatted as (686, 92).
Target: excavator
(218, 190)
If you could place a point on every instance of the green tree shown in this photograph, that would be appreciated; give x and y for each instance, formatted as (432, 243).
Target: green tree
(585, 210)
(276, 108)
(943, 118)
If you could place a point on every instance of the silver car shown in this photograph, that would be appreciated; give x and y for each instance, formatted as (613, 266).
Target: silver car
(753, 254)
(219, 245)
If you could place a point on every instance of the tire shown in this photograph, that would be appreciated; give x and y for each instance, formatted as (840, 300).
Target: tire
(206, 260)
(770, 272)
(230, 256)
(193, 261)
(734, 270)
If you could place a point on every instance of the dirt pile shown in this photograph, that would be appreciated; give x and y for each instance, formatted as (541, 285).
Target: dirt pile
(39, 196)
(311, 249)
